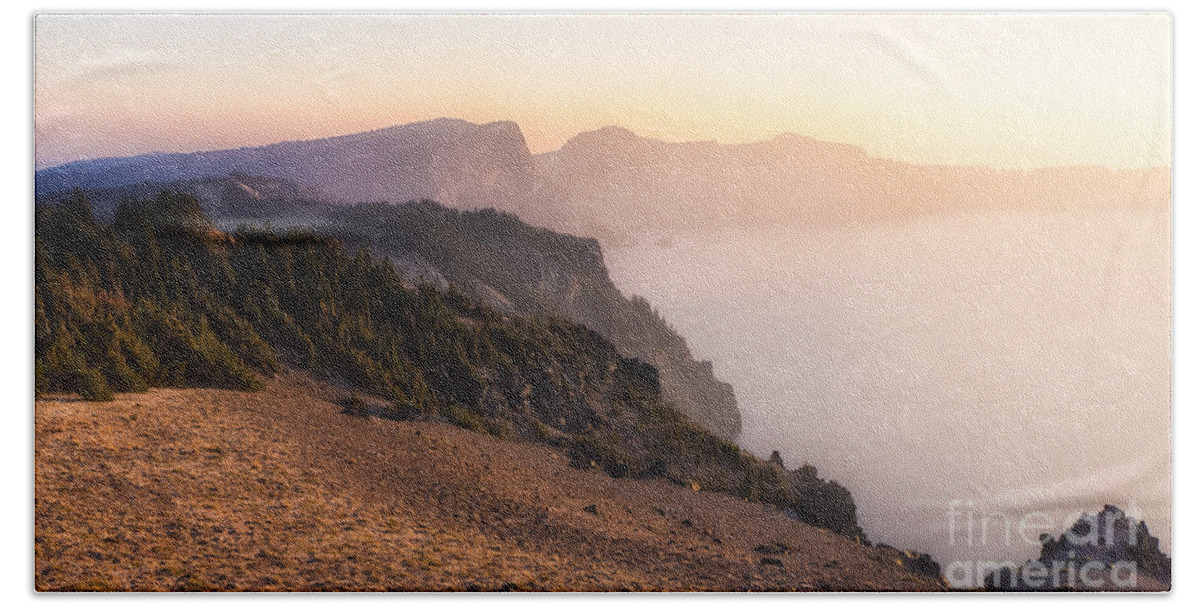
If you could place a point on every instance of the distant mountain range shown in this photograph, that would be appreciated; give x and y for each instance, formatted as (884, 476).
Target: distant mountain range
(612, 177)
(452, 161)
(608, 182)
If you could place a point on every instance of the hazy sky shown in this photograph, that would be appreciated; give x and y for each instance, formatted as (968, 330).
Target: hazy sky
(1013, 90)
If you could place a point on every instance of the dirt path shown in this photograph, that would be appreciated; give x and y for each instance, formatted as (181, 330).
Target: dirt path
(279, 490)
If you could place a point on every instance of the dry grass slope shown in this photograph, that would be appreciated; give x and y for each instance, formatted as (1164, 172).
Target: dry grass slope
(280, 490)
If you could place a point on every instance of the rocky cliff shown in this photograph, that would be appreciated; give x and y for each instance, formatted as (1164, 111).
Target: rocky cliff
(459, 163)
(518, 268)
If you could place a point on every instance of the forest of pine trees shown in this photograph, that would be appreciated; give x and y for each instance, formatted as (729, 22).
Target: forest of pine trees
(159, 298)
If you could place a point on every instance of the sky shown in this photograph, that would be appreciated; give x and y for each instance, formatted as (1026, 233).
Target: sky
(1017, 90)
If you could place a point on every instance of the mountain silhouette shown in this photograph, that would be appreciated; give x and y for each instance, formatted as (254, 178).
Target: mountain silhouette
(611, 183)
(453, 161)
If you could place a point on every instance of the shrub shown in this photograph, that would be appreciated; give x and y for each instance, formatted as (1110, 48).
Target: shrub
(402, 410)
(466, 419)
(65, 369)
(602, 451)
(355, 406)
(191, 354)
(91, 386)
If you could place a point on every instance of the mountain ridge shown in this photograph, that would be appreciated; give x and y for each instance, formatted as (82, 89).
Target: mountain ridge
(611, 183)
(520, 269)
(396, 163)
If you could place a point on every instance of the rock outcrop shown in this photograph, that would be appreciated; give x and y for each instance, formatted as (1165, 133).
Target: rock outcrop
(1106, 551)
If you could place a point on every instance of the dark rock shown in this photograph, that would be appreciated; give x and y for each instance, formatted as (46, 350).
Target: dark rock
(1116, 549)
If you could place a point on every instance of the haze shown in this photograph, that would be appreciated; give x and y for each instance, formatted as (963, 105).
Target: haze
(1017, 90)
(1018, 362)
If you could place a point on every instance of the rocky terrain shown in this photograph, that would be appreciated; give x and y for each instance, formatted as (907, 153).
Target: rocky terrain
(1106, 551)
(206, 489)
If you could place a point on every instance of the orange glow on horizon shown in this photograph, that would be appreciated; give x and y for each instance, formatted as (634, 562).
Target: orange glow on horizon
(1016, 90)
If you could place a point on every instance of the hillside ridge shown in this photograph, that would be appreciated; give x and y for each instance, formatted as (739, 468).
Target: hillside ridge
(492, 256)
(160, 298)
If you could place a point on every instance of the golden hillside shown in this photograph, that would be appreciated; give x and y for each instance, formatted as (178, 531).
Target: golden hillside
(203, 489)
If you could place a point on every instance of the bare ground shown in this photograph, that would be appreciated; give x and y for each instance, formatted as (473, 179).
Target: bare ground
(280, 490)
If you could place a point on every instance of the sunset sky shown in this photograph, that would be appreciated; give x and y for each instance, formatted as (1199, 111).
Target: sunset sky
(1021, 90)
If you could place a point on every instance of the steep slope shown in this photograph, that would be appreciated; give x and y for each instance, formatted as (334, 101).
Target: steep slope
(204, 489)
(520, 269)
